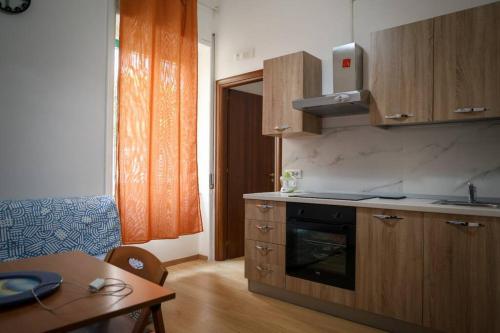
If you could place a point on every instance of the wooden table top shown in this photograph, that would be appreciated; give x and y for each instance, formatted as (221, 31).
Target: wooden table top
(76, 267)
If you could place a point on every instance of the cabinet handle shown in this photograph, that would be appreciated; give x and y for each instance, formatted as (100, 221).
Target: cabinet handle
(281, 128)
(465, 224)
(399, 116)
(470, 110)
(388, 217)
(264, 250)
(263, 269)
(264, 228)
(264, 206)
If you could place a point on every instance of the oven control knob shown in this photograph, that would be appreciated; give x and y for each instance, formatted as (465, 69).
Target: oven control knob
(301, 212)
(337, 215)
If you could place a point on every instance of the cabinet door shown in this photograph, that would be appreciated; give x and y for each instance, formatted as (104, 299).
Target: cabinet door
(389, 263)
(401, 75)
(461, 274)
(287, 78)
(467, 64)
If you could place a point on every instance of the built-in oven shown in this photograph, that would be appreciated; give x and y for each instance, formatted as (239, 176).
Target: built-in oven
(321, 243)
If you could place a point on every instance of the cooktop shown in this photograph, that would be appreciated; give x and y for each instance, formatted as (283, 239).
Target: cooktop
(334, 196)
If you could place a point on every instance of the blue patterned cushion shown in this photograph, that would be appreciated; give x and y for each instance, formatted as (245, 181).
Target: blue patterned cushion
(30, 228)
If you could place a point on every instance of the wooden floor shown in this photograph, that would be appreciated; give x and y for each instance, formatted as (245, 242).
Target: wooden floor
(213, 297)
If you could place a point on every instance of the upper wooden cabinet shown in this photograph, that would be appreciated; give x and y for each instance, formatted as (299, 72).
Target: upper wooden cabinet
(389, 263)
(461, 273)
(467, 64)
(401, 75)
(287, 78)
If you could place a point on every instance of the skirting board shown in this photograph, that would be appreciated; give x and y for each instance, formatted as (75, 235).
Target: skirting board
(337, 310)
(185, 259)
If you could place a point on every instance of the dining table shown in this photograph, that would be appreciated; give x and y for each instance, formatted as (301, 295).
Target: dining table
(73, 309)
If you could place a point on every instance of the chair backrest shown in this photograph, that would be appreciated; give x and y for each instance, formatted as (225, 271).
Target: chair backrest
(30, 228)
(139, 262)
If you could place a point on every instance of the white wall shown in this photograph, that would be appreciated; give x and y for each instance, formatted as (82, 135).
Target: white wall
(351, 155)
(53, 81)
(278, 27)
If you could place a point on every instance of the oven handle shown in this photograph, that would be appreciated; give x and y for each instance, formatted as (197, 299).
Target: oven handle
(327, 227)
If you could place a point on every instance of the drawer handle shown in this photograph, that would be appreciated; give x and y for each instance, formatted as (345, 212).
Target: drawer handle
(399, 116)
(470, 110)
(465, 224)
(264, 250)
(264, 228)
(388, 217)
(263, 269)
(281, 128)
(265, 206)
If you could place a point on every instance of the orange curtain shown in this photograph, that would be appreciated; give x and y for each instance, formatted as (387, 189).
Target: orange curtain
(157, 174)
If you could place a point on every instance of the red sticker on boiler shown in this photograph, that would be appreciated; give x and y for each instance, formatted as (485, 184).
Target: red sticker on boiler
(346, 63)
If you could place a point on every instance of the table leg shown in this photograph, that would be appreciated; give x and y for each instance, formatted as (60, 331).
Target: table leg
(157, 318)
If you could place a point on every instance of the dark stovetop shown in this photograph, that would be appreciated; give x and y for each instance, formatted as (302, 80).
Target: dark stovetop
(334, 196)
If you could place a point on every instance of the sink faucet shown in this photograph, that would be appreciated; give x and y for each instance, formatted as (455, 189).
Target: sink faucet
(472, 192)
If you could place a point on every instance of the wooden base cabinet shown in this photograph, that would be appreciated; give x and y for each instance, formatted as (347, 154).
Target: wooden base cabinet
(462, 273)
(389, 263)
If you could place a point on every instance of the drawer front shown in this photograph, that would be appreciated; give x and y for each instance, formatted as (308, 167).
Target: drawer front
(262, 210)
(264, 253)
(267, 273)
(264, 231)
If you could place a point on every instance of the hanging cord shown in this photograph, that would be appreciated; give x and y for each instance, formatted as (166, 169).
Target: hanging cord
(119, 289)
(352, 20)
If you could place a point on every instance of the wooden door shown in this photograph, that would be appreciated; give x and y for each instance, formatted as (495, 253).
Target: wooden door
(389, 263)
(462, 274)
(286, 79)
(401, 75)
(250, 164)
(467, 64)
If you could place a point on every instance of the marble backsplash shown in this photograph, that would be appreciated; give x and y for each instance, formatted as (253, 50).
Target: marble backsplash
(429, 159)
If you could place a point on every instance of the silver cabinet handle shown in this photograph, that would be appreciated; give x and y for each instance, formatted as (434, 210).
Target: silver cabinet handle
(265, 206)
(281, 128)
(264, 228)
(388, 217)
(399, 116)
(263, 269)
(465, 224)
(470, 110)
(264, 250)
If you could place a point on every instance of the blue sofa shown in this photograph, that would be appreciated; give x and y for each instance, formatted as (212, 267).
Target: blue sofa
(30, 228)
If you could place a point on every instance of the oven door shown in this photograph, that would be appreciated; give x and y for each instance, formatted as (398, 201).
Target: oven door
(321, 252)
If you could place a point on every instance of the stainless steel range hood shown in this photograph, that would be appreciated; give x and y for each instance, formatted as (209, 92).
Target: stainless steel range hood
(348, 97)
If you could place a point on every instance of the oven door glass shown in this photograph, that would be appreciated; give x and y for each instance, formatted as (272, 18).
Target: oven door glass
(320, 253)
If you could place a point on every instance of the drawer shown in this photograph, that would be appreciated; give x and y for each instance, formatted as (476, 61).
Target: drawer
(264, 253)
(261, 210)
(270, 274)
(264, 231)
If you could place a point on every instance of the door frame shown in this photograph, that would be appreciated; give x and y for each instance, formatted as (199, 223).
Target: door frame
(221, 90)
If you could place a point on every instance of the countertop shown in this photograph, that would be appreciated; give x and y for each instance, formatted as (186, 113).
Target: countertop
(411, 204)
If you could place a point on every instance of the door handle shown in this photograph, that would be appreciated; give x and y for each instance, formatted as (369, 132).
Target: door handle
(264, 206)
(465, 224)
(399, 116)
(263, 269)
(264, 228)
(470, 110)
(264, 250)
(281, 128)
(388, 217)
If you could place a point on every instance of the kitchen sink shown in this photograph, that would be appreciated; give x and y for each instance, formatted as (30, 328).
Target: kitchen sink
(467, 203)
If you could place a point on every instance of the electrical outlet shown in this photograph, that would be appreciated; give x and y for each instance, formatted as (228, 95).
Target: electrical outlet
(297, 173)
(247, 53)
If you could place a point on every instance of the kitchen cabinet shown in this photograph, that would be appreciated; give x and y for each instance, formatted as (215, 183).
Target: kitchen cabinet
(287, 78)
(401, 76)
(264, 242)
(389, 263)
(461, 273)
(467, 64)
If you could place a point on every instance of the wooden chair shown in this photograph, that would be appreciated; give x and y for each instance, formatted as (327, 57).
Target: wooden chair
(139, 262)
